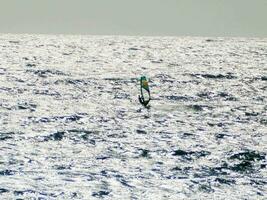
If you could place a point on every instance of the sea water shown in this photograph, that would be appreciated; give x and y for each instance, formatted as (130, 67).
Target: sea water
(71, 125)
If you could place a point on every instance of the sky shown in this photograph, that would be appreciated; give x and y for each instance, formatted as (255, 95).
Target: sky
(244, 18)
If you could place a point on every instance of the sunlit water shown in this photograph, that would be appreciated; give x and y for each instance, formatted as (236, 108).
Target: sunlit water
(71, 126)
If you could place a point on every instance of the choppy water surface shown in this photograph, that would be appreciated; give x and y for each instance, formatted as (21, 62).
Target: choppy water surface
(71, 126)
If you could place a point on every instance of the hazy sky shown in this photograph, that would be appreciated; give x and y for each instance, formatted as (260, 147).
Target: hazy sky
(136, 17)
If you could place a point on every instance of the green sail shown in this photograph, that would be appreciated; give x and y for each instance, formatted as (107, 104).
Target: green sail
(144, 83)
(144, 98)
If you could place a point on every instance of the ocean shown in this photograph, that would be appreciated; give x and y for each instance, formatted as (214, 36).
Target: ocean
(71, 125)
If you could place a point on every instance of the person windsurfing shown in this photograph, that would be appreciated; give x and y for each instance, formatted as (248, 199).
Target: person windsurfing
(144, 98)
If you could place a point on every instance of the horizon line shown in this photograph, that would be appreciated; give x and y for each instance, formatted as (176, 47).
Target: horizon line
(134, 35)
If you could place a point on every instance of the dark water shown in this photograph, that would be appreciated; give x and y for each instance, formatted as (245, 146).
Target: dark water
(71, 126)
